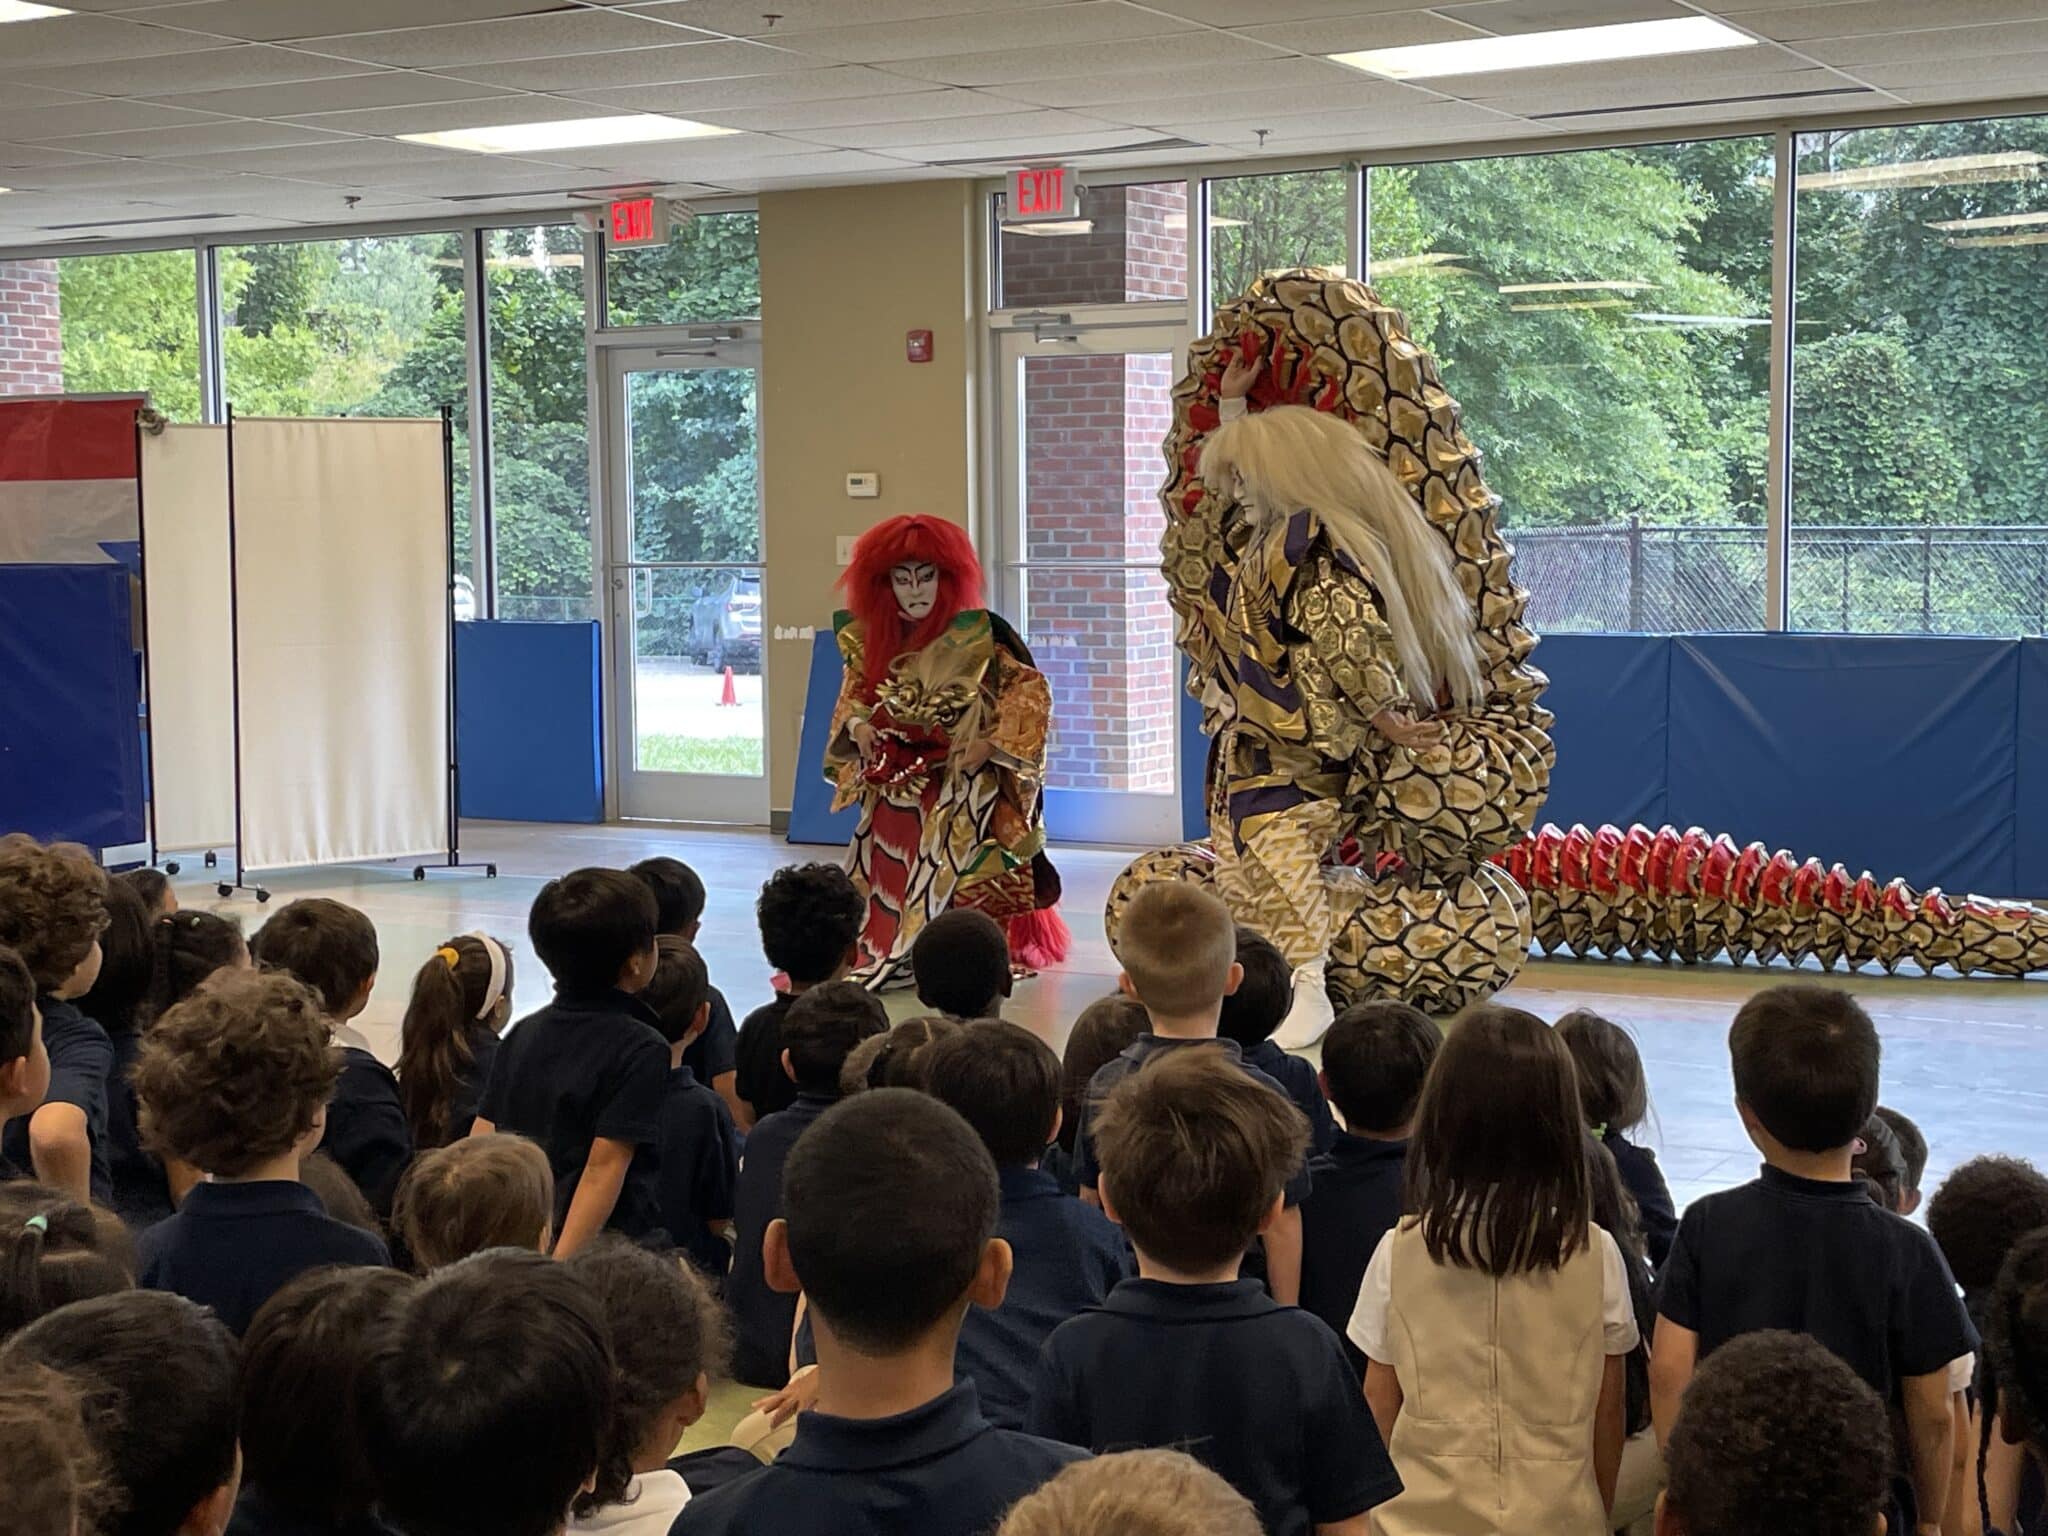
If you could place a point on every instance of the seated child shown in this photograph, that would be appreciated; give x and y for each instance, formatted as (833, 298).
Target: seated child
(489, 1399)
(960, 961)
(461, 1000)
(1496, 1318)
(586, 1075)
(56, 1481)
(895, 1059)
(235, 1081)
(1776, 1435)
(1195, 1156)
(1134, 1493)
(1879, 1164)
(157, 1374)
(889, 1213)
(332, 948)
(2016, 1348)
(1980, 1212)
(1616, 1099)
(306, 1362)
(482, 1192)
(24, 1060)
(1913, 1147)
(679, 911)
(1178, 949)
(819, 1032)
(52, 908)
(667, 1336)
(118, 1003)
(1105, 1028)
(1005, 1082)
(1375, 1058)
(698, 1146)
(1802, 1249)
(54, 1251)
(1253, 1012)
(811, 917)
(154, 887)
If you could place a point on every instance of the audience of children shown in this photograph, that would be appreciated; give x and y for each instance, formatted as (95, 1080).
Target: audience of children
(461, 1000)
(810, 917)
(332, 948)
(952, 1295)
(236, 1081)
(1496, 1317)
(1065, 1257)
(817, 1033)
(587, 1075)
(960, 962)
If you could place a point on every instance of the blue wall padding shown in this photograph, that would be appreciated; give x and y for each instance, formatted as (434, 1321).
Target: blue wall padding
(1194, 764)
(810, 804)
(2030, 791)
(1612, 698)
(70, 753)
(1899, 755)
(529, 722)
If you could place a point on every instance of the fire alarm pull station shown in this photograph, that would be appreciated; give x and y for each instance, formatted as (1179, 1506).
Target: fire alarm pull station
(919, 346)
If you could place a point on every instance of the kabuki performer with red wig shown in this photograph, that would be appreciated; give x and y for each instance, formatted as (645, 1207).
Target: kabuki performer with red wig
(939, 737)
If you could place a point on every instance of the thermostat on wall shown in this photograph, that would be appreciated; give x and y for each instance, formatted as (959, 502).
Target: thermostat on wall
(864, 485)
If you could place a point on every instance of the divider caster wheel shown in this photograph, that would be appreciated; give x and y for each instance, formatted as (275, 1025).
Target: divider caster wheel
(262, 895)
(212, 858)
(171, 868)
(225, 890)
(490, 871)
(419, 871)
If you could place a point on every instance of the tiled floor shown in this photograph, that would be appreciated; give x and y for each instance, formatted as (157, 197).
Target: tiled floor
(1967, 1059)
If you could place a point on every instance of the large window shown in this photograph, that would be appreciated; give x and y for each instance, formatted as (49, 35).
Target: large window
(103, 325)
(1259, 224)
(370, 326)
(540, 441)
(1129, 245)
(709, 270)
(1920, 382)
(1604, 320)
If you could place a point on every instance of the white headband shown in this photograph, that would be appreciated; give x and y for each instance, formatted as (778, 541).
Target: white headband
(496, 989)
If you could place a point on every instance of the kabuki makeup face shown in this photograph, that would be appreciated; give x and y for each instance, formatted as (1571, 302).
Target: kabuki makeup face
(916, 585)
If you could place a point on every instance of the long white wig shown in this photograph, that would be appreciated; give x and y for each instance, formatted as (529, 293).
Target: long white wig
(1279, 461)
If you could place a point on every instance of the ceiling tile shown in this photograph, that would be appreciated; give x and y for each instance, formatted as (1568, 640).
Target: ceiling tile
(710, 60)
(276, 21)
(1717, 89)
(439, 117)
(1031, 147)
(1792, 24)
(15, 96)
(1012, 125)
(39, 154)
(483, 173)
(95, 117)
(1055, 26)
(201, 139)
(1262, 108)
(924, 105)
(318, 161)
(747, 18)
(1764, 113)
(214, 69)
(2012, 69)
(1398, 30)
(343, 93)
(560, 34)
(1948, 42)
(778, 168)
(845, 82)
(1512, 17)
(1419, 119)
(2001, 87)
(89, 40)
(1185, 87)
(1065, 63)
(1687, 74)
(1235, 13)
(696, 158)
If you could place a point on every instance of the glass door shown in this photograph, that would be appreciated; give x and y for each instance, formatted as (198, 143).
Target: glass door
(1084, 420)
(683, 494)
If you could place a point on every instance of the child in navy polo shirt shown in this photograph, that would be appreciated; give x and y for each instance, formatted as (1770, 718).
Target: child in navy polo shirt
(305, 1361)
(586, 1075)
(2016, 1348)
(332, 948)
(1253, 1012)
(810, 916)
(1803, 1249)
(490, 1399)
(1104, 1030)
(960, 961)
(1616, 1098)
(889, 1215)
(1913, 1147)
(1776, 1435)
(235, 1081)
(24, 1061)
(1194, 1158)
(1066, 1257)
(1178, 949)
(54, 1251)
(698, 1150)
(493, 1191)
(52, 908)
(1374, 1060)
(821, 1030)
(679, 911)
(158, 1377)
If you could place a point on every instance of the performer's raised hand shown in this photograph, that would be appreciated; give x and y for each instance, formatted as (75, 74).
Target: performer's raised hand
(1240, 376)
(863, 736)
(1404, 731)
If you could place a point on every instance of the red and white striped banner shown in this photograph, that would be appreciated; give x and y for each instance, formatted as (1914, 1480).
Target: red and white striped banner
(67, 479)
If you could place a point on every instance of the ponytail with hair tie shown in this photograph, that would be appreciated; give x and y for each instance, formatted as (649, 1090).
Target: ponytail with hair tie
(54, 1251)
(455, 993)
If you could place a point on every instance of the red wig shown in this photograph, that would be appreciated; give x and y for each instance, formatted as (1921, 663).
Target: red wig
(871, 598)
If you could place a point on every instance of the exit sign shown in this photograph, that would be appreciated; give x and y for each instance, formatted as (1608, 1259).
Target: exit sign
(638, 221)
(1043, 192)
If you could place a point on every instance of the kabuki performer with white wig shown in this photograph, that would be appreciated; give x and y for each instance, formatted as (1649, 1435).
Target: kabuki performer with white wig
(1351, 636)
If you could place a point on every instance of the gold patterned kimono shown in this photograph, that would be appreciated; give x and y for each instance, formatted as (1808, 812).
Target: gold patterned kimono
(933, 833)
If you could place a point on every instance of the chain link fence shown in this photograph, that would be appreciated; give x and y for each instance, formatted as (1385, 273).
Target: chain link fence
(1938, 579)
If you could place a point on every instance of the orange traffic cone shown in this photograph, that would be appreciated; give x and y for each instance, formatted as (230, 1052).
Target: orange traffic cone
(729, 698)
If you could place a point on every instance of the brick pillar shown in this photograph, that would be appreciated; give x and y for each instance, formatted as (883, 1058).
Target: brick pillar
(31, 350)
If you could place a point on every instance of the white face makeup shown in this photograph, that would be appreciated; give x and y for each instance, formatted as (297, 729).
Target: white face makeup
(916, 584)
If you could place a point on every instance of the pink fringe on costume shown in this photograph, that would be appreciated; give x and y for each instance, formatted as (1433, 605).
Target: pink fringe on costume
(1039, 939)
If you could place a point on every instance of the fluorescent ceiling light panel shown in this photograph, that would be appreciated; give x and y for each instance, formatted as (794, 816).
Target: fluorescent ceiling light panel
(21, 10)
(1547, 50)
(1985, 242)
(570, 133)
(1617, 285)
(1391, 265)
(1052, 227)
(1992, 221)
(1698, 320)
(1950, 171)
(1537, 309)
